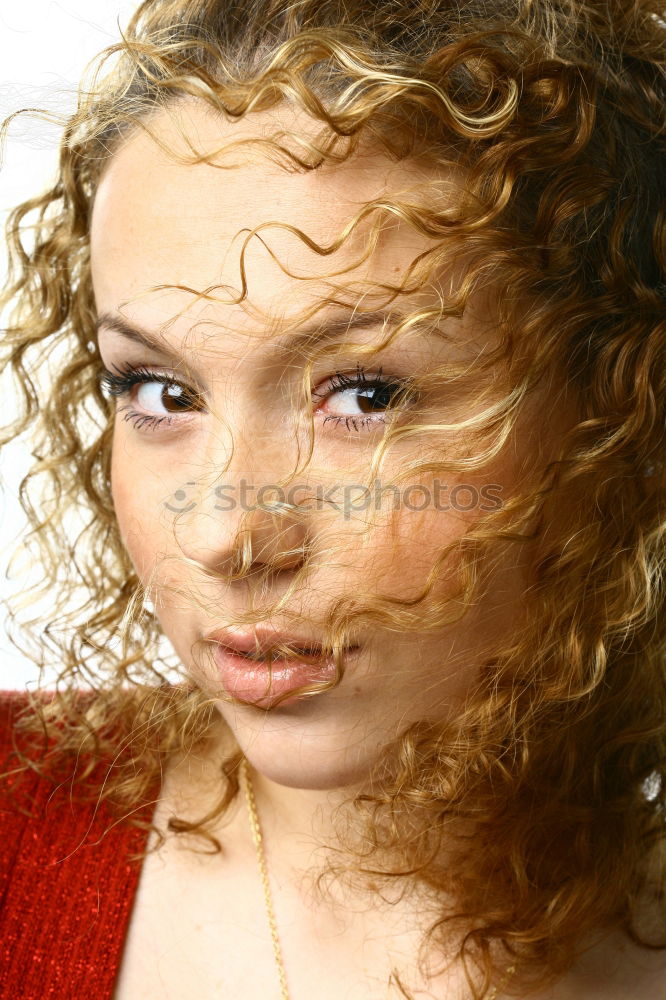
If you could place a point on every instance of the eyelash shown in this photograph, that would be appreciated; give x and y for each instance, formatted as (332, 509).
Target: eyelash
(120, 382)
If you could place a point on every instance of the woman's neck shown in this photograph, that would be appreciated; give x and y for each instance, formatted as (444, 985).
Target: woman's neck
(296, 823)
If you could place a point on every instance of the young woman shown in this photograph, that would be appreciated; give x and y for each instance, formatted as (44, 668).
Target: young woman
(342, 334)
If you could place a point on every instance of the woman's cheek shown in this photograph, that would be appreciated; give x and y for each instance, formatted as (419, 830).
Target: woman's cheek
(137, 514)
(397, 555)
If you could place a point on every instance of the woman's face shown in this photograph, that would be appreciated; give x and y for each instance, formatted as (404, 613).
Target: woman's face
(160, 222)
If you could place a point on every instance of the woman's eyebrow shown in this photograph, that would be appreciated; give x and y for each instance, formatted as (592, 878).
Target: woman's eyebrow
(308, 336)
(134, 333)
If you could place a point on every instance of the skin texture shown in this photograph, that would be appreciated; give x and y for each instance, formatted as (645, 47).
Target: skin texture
(157, 221)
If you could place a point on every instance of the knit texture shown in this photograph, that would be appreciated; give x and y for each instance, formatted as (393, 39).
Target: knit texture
(67, 885)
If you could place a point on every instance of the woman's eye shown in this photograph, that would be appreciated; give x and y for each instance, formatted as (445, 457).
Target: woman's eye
(158, 398)
(359, 399)
(158, 395)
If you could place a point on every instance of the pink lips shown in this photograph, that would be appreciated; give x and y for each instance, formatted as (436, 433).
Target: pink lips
(245, 674)
(261, 643)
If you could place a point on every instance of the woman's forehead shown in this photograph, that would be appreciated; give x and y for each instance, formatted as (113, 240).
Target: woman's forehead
(160, 221)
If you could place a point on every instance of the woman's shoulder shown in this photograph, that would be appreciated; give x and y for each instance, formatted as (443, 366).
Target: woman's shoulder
(69, 868)
(12, 705)
(17, 749)
(16, 703)
(52, 825)
(22, 736)
(54, 773)
(62, 741)
(36, 774)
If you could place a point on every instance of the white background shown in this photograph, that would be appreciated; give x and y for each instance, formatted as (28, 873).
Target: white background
(44, 48)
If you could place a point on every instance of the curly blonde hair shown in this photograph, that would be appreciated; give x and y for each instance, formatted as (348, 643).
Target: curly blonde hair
(554, 111)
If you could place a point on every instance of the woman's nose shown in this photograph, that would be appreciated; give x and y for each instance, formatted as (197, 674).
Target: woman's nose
(273, 537)
(235, 536)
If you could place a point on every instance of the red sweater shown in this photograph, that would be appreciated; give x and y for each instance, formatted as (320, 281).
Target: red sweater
(65, 894)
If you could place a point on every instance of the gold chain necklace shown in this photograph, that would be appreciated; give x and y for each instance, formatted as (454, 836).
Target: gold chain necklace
(263, 869)
(256, 836)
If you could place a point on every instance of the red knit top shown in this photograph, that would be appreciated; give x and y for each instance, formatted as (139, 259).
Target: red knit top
(67, 885)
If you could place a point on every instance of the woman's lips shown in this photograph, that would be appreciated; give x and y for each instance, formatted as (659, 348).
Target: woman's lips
(248, 679)
(264, 640)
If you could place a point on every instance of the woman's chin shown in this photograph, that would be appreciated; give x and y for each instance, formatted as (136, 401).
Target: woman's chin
(288, 767)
